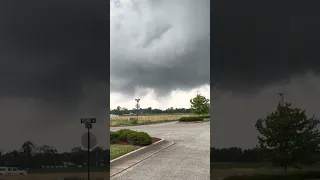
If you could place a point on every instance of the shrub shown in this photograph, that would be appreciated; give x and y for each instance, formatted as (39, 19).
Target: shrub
(133, 121)
(139, 138)
(113, 137)
(191, 118)
(123, 133)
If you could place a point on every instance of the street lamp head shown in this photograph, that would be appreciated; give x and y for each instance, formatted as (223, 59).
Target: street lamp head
(88, 120)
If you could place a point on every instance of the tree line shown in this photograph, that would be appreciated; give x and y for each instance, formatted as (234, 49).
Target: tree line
(198, 105)
(33, 157)
(125, 111)
(235, 154)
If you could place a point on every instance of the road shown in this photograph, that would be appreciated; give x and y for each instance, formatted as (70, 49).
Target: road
(187, 159)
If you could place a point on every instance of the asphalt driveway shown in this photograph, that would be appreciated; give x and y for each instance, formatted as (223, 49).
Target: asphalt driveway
(187, 159)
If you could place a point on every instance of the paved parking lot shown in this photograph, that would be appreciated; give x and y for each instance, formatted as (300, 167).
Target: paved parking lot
(188, 159)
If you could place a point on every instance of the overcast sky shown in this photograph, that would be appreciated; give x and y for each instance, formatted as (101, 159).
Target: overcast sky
(160, 52)
(54, 70)
(261, 48)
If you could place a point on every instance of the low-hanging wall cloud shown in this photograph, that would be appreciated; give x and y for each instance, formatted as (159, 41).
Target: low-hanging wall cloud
(159, 45)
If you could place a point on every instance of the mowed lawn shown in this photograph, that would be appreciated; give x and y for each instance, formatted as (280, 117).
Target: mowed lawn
(146, 119)
(119, 150)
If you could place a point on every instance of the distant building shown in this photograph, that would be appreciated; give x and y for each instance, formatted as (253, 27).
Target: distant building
(113, 115)
(66, 163)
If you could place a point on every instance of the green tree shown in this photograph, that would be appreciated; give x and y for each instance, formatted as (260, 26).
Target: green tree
(118, 110)
(48, 154)
(200, 105)
(76, 149)
(288, 137)
(27, 149)
(96, 154)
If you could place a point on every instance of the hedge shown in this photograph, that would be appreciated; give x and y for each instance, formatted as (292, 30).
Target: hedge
(191, 118)
(206, 117)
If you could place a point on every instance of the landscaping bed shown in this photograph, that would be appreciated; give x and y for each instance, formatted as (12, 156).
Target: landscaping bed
(125, 141)
(154, 139)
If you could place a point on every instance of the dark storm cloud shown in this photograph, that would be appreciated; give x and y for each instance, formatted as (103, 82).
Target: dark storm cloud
(54, 69)
(48, 48)
(261, 48)
(256, 44)
(159, 45)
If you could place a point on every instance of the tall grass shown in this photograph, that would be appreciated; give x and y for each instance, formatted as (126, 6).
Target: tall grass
(145, 119)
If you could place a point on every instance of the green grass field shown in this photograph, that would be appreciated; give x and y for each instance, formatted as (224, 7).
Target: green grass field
(219, 171)
(67, 170)
(119, 150)
(66, 176)
(145, 119)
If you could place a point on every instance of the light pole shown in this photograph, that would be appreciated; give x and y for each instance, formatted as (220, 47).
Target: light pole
(88, 124)
(137, 108)
(281, 95)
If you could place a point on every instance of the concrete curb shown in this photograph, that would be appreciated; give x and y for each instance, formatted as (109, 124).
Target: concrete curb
(136, 152)
(126, 161)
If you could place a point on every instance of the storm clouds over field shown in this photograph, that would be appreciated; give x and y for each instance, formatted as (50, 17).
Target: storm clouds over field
(157, 47)
(261, 49)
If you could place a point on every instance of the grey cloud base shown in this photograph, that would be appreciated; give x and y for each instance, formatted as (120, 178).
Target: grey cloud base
(161, 46)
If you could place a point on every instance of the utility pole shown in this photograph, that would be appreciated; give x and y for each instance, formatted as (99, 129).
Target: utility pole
(88, 126)
(281, 96)
(137, 108)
